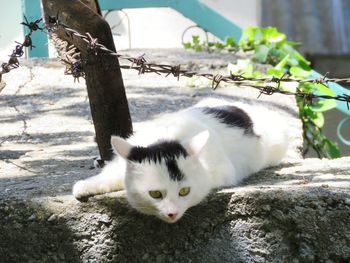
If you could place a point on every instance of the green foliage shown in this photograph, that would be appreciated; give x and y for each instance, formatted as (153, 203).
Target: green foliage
(229, 44)
(273, 48)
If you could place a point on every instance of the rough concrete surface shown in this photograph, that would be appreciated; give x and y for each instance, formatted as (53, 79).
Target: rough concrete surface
(296, 212)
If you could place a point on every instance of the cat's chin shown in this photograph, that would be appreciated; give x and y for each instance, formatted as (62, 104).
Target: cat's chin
(170, 221)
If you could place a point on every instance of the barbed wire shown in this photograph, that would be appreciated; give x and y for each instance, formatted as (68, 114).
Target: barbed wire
(140, 64)
(71, 57)
(18, 52)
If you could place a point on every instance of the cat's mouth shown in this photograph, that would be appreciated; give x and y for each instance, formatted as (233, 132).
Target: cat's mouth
(170, 218)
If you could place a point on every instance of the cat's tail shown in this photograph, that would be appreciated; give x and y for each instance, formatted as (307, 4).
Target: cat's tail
(272, 128)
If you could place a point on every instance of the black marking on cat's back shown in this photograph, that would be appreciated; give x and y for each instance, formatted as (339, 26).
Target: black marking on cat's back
(168, 151)
(232, 116)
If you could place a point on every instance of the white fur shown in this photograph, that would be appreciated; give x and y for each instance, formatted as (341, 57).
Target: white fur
(219, 156)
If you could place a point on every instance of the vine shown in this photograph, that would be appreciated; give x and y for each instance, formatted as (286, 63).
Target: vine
(271, 47)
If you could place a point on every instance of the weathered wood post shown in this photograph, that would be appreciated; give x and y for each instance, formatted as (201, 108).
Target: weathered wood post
(108, 102)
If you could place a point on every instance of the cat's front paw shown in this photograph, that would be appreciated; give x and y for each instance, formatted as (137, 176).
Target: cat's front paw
(81, 191)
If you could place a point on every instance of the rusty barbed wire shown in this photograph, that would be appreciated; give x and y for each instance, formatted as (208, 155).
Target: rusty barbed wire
(71, 57)
(142, 66)
(13, 62)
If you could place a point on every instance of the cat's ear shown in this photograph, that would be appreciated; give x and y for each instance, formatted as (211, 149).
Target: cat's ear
(121, 146)
(195, 145)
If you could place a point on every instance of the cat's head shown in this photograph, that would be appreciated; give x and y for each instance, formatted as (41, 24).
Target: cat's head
(165, 178)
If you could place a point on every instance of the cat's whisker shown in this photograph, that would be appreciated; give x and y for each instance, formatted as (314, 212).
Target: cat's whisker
(188, 215)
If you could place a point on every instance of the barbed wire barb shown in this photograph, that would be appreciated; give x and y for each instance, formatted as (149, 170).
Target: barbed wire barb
(13, 61)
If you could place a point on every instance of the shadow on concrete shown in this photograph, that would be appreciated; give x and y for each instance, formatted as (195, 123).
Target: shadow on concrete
(34, 105)
(195, 238)
(28, 235)
(235, 226)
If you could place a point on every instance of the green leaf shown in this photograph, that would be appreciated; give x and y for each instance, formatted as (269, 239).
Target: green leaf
(198, 48)
(195, 39)
(331, 149)
(282, 63)
(299, 72)
(293, 43)
(247, 39)
(318, 119)
(271, 35)
(289, 86)
(187, 45)
(315, 117)
(243, 66)
(293, 62)
(286, 48)
(219, 45)
(257, 74)
(307, 87)
(323, 90)
(275, 72)
(301, 60)
(260, 53)
(323, 105)
(230, 41)
(211, 44)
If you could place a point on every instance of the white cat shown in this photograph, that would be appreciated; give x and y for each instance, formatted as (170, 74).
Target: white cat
(171, 163)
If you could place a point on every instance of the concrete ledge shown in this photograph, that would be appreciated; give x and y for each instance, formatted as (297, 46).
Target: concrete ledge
(294, 213)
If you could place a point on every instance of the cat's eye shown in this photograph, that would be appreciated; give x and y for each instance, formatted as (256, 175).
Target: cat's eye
(184, 191)
(155, 194)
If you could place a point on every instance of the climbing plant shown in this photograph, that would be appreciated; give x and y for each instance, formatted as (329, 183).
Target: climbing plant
(271, 47)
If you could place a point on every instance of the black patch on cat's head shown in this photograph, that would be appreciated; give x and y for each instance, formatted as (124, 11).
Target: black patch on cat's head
(163, 150)
(175, 173)
(232, 116)
(168, 151)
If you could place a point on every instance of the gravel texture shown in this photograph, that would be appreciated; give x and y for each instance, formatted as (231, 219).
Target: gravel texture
(297, 212)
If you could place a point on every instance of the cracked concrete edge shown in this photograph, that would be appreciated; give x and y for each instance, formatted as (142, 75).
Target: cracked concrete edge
(14, 90)
(265, 220)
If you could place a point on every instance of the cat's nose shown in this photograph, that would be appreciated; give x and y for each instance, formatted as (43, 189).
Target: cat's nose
(172, 216)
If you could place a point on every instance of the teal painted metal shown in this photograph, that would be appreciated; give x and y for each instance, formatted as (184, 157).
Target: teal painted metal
(207, 18)
(198, 12)
(338, 90)
(31, 9)
(122, 4)
(201, 14)
(340, 128)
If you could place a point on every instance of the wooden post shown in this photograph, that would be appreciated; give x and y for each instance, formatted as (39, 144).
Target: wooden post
(108, 102)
